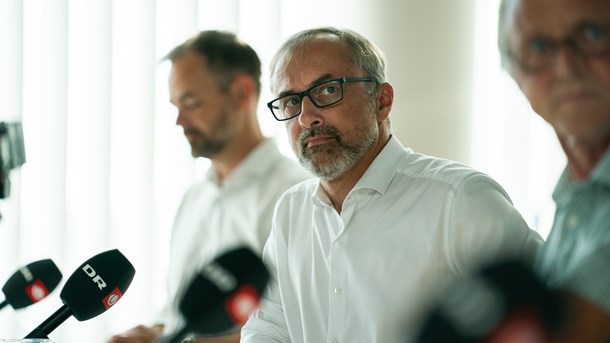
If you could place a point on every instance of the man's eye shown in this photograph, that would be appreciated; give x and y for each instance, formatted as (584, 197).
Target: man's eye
(594, 33)
(540, 46)
(328, 89)
(192, 105)
(290, 101)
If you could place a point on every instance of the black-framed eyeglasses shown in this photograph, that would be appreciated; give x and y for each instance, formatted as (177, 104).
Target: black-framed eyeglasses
(321, 95)
(538, 53)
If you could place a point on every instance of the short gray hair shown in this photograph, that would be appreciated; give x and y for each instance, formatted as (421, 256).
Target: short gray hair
(365, 54)
(503, 36)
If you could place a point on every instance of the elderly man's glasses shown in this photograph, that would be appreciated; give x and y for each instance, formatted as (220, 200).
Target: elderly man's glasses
(321, 95)
(538, 53)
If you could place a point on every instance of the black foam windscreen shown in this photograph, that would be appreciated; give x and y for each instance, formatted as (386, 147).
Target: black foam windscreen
(31, 283)
(93, 288)
(224, 293)
(499, 301)
(97, 284)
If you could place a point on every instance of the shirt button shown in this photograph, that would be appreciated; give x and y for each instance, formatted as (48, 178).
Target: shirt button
(338, 290)
(572, 221)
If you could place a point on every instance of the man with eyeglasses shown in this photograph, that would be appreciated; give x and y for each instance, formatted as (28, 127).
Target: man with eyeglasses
(558, 52)
(356, 255)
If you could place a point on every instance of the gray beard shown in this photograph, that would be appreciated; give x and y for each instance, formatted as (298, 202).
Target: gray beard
(341, 156)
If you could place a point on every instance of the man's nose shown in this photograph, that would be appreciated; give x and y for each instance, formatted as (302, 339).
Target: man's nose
(310, 114)
(180, 118)
(568, 61)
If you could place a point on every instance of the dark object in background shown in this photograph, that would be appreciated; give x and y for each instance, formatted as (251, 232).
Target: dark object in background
(12, 154)
(30, 284)
(504, 302)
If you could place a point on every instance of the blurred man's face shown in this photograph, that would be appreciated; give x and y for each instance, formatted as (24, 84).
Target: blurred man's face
(331, 140)
(568, 81)
(205, 112)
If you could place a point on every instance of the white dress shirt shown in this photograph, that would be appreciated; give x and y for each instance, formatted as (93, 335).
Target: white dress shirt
(411, 224)
(214, 217)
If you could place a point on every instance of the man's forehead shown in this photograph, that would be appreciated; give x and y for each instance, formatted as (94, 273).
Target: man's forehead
(555, 16)
(310, 63)
(299, 80)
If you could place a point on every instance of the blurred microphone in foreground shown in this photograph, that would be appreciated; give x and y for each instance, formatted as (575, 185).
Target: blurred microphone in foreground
(92, 289)
(30, 284)
(222, 295)
(503, 303)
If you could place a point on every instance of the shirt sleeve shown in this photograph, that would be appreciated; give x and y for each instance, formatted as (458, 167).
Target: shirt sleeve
(268, 323)
(483, 226)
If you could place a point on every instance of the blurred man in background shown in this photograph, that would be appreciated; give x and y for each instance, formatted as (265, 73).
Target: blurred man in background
(558, 52)
(215, 84)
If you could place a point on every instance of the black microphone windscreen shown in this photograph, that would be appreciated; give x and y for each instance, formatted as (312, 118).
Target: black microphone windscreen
(480, 306)
(31, 283)
(97, 284)
(223, 294)
(92, 289)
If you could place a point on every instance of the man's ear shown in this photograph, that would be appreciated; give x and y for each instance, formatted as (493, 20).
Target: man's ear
(385, 98)
(243, 90)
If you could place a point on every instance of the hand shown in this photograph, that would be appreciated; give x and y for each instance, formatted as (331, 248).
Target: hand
(139, 334)
(230, 338)
(584, 322)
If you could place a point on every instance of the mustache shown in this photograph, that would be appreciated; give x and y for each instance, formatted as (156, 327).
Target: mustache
(192, 131)
(573, 86)
(318, 131)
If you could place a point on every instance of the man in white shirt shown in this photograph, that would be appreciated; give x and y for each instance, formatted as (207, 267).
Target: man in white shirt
(356, 255)
(215, 84)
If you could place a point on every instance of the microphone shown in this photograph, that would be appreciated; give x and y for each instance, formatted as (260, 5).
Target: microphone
(30, 284)
(504, 302)
(92, 289)
(222, 295)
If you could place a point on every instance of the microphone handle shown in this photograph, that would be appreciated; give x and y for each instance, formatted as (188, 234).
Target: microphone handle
(44, 329)
(3, 304)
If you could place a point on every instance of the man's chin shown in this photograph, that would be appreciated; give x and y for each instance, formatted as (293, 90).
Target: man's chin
(323, 168)
(319, 157)
(202, 153)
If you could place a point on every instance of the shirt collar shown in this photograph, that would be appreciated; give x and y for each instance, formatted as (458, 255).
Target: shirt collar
(378, 176)
(565, 185)
(601, 173)
(381, 172)
(257, 163)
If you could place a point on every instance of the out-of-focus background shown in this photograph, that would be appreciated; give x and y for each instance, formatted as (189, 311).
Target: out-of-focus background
(106, 165)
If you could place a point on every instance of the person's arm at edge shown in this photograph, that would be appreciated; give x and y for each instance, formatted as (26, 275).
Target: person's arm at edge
(586, 294)
(139, 334)
(230, 338)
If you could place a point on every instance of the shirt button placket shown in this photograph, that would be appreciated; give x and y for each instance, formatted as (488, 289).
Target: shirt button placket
(337, 299)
